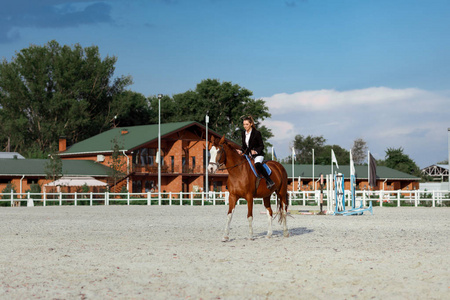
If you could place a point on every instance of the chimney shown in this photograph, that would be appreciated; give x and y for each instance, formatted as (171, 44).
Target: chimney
(62, 144)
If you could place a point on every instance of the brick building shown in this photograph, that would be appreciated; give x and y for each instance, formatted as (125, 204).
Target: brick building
(183, 157)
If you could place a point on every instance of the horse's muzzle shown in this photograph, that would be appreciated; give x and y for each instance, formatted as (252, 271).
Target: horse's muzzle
(212, 167)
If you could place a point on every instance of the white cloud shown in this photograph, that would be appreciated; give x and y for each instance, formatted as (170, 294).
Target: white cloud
(283, 130)
(323, 100)
(414, 119)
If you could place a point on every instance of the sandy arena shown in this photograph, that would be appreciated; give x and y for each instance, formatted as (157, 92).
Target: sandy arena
(172, 252)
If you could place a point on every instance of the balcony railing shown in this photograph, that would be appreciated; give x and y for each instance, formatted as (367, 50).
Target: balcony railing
(176, 169)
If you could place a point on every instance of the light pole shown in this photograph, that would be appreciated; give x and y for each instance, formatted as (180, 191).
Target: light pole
(159, 148)
(206, 161)
(293, 176)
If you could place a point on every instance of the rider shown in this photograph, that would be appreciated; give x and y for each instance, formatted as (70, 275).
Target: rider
(252, 144)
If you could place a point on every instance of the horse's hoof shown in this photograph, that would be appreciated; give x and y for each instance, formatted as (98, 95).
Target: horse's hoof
(268, 236)
(286, 234)
(225, 239)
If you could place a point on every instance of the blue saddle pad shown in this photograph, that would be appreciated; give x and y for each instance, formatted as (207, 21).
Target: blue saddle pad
(269, 171)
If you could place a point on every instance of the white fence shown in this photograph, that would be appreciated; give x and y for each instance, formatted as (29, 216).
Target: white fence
(378, 198)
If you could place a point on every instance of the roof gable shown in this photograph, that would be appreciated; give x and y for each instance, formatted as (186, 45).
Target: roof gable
(134, 137)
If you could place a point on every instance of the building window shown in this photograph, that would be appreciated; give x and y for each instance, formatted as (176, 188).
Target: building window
(137, 186)
(149, 186)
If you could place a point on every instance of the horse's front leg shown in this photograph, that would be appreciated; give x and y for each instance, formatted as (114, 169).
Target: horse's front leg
(250, 216)
(231, 206)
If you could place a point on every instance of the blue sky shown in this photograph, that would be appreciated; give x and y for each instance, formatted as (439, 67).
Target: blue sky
(348, 69)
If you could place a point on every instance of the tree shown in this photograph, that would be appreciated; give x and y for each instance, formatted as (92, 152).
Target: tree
(52, 90)
(359, 151)
(117, 163)
(129, 109)
(324, 156)
(53, 167)
(225, 103)
(396, 159)
(304, 146)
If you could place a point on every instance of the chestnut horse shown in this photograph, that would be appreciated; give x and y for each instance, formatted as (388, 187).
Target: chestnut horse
(242, 184)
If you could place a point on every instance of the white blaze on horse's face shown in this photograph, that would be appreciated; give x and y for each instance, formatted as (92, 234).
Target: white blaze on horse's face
(212, 166)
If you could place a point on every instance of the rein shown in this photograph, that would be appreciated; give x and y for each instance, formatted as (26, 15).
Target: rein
(227, 168)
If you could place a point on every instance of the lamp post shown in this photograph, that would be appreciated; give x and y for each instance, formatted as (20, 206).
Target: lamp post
(206, 161)
(293, 176)
(159, 148)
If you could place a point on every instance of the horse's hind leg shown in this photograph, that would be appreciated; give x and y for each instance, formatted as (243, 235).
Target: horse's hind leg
(283, 212)
(269, 216)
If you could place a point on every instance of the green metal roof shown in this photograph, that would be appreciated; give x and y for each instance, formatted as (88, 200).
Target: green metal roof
(305, 171)
(136, 136)
(36, 167)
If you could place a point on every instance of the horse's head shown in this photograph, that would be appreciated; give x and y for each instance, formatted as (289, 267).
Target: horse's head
(217, 152)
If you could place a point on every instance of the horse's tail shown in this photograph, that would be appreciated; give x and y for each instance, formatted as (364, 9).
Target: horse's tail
(282, 211)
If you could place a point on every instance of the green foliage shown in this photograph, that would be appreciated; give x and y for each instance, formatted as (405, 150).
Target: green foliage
(322, 153)
(34, 188)
(130, 109)
(304, 147)
(324, 156)
(118, 161)
(224, 102)
(7, 190)
(396, 159)
(50, 91)
(53, 168)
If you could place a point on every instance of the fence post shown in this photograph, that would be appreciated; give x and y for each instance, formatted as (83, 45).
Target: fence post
(148, 198)
(106, 198)
(90, 199)
(12, 198)
(128, 197)
(363, 199)
(434, 199)
(398, 198)
(203, 199)
(181, 198)
(214, 198)
(415, 199)
(170, 198)
(60, 198)
(381, 198)
(75, 198)
(192, 199)
(45, 198)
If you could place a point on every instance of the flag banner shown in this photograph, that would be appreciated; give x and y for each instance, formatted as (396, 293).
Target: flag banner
(352, 165)
(274, 155)
(372, 171)
(333, 159)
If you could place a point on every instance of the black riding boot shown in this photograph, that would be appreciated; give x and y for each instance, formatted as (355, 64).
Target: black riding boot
(260, 168)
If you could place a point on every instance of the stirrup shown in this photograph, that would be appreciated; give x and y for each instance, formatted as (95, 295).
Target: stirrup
(269, 184)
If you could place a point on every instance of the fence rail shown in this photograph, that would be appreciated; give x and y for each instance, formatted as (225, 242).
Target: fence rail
(378, 198)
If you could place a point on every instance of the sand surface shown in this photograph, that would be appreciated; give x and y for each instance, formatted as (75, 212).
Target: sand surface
(173, 252)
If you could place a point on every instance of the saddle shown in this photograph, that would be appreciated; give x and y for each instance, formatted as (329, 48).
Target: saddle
(252, 166)
(258, 177)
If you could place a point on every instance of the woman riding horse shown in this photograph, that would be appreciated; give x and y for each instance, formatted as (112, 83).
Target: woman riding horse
(252, 145)
(242, 183)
